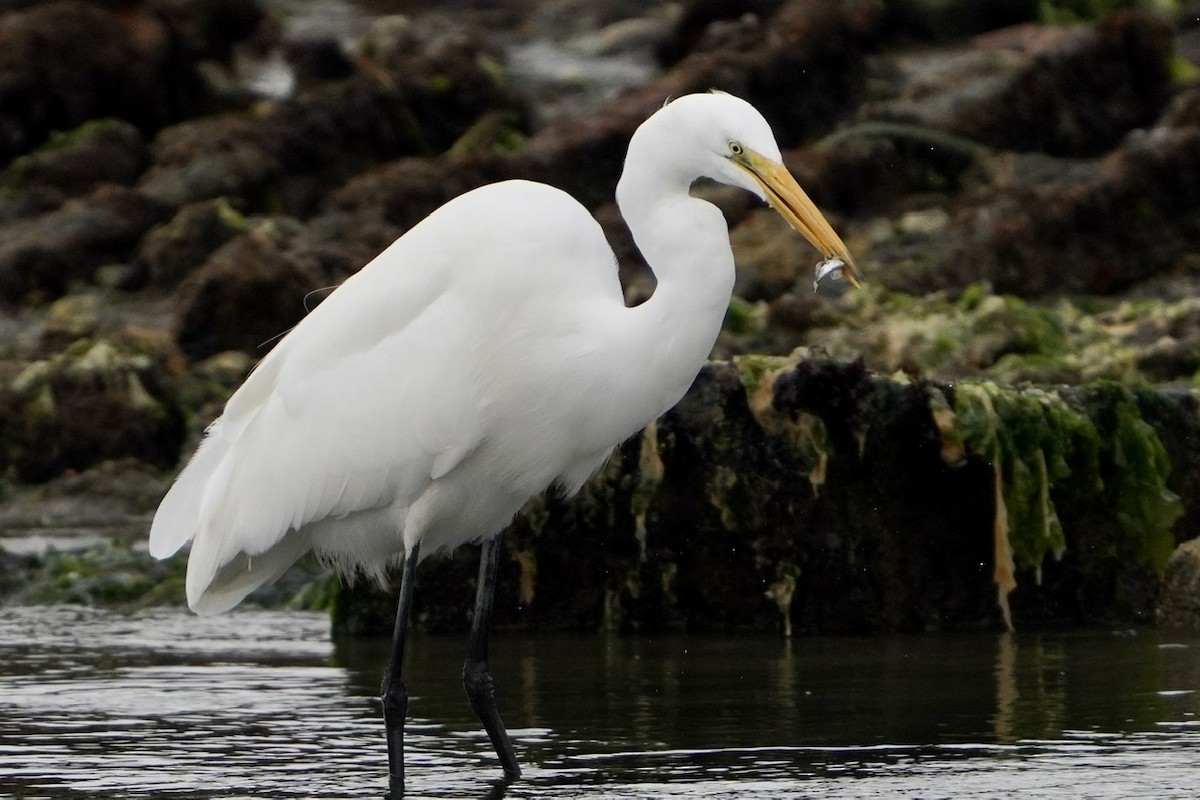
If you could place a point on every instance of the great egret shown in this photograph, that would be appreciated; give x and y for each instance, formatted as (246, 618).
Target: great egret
(485, 355)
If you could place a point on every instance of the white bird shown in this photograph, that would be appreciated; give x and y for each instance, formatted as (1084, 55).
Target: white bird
(484, 356)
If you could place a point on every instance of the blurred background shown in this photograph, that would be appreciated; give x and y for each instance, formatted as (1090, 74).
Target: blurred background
(998, 431)
(182, 179)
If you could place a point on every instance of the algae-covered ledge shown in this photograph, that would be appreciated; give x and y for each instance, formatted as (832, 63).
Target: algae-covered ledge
(815, 496)
(180, 221)
(793, 495)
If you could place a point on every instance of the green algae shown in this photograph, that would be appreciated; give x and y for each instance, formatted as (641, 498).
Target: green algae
(649, 478)
(1068, 12)
(490, 134)
(113, 575)
(1009, 340)
(22, 168)
(1085, 446)
(743, 317)
(1136, 467)
(102, 575)
(1033, 437)
(753, 369)
(234, 220)
(493, 69)
(1183, 72)
(806, 432)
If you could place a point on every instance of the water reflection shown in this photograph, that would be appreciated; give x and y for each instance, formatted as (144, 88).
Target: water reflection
(264, 705)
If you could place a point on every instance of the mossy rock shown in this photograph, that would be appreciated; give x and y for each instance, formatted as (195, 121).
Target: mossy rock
(1051, 450)
(71, 162)
(101, 574)
(96, 400)
(1066, 12)
(818, 497)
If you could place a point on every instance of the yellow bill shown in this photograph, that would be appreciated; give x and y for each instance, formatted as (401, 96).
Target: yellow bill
(794, 205)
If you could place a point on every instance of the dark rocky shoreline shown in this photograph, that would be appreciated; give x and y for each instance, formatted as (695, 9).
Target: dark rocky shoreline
(1021, 196)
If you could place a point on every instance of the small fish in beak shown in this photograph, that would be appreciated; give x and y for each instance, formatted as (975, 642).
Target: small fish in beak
(832, 268)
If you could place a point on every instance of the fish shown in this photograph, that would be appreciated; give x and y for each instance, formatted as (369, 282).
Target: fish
(831, 268)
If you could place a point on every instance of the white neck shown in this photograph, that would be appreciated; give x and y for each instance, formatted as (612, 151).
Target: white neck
(686, 243)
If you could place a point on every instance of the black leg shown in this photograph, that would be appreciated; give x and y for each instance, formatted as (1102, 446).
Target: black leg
(476, 676)
(395, 696)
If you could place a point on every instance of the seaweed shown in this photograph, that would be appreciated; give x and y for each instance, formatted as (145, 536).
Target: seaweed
(1045, 445)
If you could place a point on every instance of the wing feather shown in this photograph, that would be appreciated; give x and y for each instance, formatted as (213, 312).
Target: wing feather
(381, 390)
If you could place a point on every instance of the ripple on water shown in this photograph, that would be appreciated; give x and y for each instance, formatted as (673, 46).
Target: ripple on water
(262, 704)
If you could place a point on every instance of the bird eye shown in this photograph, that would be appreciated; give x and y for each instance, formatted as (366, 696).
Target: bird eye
(735, 148)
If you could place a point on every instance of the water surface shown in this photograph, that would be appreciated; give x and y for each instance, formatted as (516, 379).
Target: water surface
(263, 704)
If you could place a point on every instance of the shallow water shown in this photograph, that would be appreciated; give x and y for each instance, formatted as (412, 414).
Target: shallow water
(262, 704)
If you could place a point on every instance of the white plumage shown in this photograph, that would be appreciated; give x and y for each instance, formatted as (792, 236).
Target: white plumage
(484, 355)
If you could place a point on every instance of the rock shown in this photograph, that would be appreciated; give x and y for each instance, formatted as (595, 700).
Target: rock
(411, 96)
(209, 29)
(249, 292)
(63, 63)
(221, 155)
(757, 59)
(406, 98)
(816, 495)
(169, 252)
(883, 169)
(1179, 598)
(1168, 357)
(1028, 223)
(317, 60)
(71, 164)
(804, 67)
(445, 82)
(43, 256)
(96, 400)
(1184, 110)
(338, 130)
(970, 333)
(1074, 90)
(405, 191)
(572, 57)
(74, 317)
(342, 244)
(944, 20)
(111, 500)
(92, 573)
(1032, 224)
(695, 20)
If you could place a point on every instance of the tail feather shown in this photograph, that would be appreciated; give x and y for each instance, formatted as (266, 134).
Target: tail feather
(178, 517)
(214, 587)
(219, 592)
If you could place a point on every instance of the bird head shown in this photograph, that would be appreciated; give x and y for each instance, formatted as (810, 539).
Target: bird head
(742, 152)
